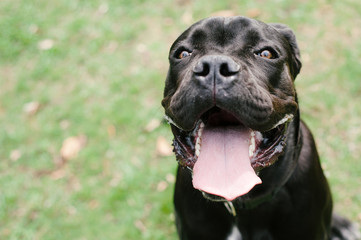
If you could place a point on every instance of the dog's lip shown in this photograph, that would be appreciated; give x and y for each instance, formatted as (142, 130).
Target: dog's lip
(264, 153)
(170, 121)
(287, 118)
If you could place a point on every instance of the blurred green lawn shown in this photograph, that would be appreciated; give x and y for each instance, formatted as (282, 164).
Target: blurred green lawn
(96, 69)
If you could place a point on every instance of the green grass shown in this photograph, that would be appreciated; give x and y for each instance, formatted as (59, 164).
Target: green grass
(103, 78)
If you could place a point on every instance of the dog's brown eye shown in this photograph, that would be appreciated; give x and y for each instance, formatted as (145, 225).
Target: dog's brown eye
(184, 54)
(265, 54)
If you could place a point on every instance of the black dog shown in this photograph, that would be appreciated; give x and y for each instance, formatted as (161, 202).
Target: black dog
(249, 168)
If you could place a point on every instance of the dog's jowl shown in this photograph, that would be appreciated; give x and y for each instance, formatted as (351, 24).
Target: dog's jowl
(248, 166)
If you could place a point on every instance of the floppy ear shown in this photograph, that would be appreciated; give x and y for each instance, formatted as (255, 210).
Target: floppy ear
(291, 38)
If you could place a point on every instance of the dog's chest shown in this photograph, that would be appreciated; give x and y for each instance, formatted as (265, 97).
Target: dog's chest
(235, 234)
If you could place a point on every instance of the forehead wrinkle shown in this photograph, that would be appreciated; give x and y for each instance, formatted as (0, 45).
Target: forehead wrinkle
(239, 27)
(219, 32)
(198, 36)
(211, 31)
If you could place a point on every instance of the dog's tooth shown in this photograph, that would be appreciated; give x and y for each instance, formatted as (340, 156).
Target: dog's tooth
(170, 121)
(199, 139)
(199, 134)
(287, 118)
(258, 136)
(251, 152)
(198, 146)
(200, 131)
(197, 152)
(252, 146)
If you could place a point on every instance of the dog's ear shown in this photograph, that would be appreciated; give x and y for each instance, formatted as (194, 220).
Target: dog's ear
(291, 38)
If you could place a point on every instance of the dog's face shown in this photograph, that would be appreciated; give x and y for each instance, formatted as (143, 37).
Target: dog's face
(229, 96)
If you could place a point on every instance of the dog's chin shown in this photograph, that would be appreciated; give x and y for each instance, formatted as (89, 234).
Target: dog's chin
(264, 148)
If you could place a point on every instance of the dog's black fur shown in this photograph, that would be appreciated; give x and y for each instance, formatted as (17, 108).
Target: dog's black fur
(294, 199)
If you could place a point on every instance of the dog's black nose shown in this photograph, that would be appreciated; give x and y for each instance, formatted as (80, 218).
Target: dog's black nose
(216, 66)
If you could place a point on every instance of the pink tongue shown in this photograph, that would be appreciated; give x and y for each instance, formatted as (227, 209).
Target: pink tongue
(223, 167)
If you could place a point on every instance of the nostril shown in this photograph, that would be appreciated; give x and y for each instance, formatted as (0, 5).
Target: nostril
(201, 69)
(229, 69)
(216, 65)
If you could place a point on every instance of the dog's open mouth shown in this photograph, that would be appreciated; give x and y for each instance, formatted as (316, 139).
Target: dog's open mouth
(225, 155)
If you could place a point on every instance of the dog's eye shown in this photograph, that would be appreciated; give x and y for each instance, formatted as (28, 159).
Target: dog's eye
(184, 54)
(266, 54)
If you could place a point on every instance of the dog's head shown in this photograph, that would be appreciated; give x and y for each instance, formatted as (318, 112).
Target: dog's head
(229, 97)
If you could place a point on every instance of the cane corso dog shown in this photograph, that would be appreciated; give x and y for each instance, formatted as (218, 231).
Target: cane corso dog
(248, 166)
